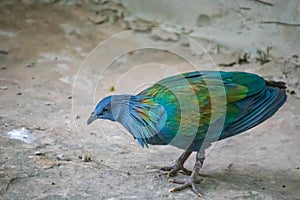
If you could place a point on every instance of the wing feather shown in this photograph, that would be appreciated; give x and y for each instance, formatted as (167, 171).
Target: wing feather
(191, 102)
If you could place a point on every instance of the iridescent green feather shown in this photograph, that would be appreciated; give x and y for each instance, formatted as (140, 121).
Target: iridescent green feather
(187, 99)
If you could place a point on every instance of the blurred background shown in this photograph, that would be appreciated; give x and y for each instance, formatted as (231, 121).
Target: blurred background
(58, 58)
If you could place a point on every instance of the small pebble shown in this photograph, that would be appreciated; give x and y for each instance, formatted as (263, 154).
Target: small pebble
(19, 93)
(31, 65)
(3, 52)
(3, 88)
(254, 192)
(112, 88)
(92, 133)
(98, 18)
(85, 158)
(39, 153)
(62, 157)
(40, 128)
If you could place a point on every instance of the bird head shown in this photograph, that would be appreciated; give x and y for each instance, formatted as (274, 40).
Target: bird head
(103, 110)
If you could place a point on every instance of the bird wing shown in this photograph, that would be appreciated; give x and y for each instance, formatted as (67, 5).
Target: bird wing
(197, 100)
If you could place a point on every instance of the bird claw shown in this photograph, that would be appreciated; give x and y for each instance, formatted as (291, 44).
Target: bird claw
(172, 170)
(177, 181)
(175, 168)
(160, 174)
(190, 182)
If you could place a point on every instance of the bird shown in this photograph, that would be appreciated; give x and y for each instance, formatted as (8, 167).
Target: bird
(191, 111)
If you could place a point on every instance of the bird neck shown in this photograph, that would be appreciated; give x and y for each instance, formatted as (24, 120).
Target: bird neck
(121, 106)
(124, 106)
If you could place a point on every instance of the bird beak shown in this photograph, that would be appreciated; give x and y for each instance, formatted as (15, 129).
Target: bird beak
(92, 118)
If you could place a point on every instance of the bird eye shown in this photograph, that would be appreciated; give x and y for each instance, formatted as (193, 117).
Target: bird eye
(105, 109)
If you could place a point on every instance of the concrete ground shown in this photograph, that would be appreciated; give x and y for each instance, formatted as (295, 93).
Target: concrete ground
(50, 80)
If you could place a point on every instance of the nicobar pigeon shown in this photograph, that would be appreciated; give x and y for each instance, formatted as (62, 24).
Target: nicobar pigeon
(192, 110)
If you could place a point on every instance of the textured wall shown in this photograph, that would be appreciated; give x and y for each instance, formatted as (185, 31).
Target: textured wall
(246, 25)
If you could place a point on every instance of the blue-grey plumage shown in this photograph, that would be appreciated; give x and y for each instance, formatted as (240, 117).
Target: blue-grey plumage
(186, 109)
(124, 109)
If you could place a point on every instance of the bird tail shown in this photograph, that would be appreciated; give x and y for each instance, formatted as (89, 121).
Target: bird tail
(276, 84)
(273, 98)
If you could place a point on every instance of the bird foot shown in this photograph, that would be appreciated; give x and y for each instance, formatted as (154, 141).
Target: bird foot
(192, 179)
(178, 165)
(190, 182)
(172, 170)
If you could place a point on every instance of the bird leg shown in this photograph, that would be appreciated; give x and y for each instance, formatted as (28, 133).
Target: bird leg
(178, 165)
(192, 179)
